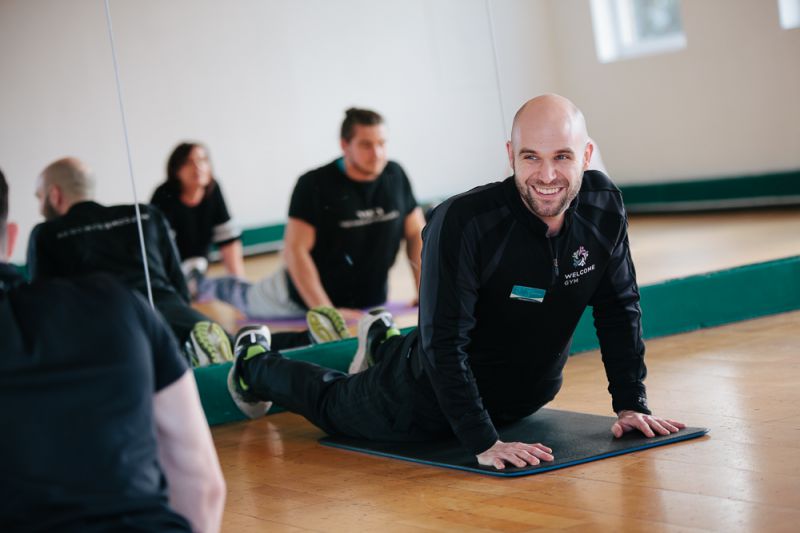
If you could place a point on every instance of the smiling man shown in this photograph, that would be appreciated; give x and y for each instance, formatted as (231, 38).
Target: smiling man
(507, 271)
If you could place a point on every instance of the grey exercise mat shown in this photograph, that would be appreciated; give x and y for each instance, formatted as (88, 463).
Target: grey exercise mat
(574, 437)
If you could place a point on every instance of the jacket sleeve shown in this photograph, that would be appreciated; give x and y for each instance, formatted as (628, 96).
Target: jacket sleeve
(448, 293)
(38, 264)
(618, 321)
(169, 254)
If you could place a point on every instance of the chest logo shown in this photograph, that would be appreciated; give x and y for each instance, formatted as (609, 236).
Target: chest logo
(579, 257)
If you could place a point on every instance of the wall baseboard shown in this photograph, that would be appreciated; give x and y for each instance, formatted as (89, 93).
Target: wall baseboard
(735, 192)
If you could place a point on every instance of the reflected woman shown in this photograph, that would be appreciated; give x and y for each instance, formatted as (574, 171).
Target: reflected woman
(193, 203)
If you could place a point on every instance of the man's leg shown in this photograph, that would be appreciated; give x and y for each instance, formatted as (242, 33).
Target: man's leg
(228, 289)
(373, 404)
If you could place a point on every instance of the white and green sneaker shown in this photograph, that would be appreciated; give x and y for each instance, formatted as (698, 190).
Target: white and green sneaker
(326, 324)
(210, 344)
(251, 341)
(373, 328)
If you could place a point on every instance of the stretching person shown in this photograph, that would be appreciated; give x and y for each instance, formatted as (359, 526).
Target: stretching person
(193, 203)
(507, 271)
(346, 222)
(82, 236)
(102, 414)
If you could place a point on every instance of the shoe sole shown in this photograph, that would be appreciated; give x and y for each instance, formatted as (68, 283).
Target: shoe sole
(361, 362)
(211, 344)
(251, 410)
(326, 325)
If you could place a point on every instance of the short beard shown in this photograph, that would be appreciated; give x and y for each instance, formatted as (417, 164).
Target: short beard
(542, 211)
(49, 212)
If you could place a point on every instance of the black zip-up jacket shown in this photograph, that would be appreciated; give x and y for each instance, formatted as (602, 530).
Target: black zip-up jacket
(94, 238)
(500, 302)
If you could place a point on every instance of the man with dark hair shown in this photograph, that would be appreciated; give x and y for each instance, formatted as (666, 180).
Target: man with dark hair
(346, 222)
(507, 271)
(100, 410)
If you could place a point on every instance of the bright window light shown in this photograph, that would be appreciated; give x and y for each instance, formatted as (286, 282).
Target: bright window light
(789, 11)
(631, 28)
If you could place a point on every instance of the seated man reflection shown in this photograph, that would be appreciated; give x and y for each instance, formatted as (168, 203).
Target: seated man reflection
(346, 222)
(81, 236)
(100, 411)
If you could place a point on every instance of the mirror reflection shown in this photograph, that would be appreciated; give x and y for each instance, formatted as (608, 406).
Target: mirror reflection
(229, 105)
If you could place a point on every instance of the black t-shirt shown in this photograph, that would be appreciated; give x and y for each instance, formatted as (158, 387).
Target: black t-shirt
(80, 361)
(359, 226)
(196, 228)
(95, 238)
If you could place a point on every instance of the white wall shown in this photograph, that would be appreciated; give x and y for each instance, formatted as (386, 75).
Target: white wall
(729, 104)
(265, 85)
(265, 82)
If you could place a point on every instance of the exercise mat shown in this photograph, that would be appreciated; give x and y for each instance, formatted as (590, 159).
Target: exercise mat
(575, 438)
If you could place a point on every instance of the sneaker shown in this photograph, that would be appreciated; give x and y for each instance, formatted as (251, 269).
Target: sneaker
(194, 271)
(210, 344)
(326, 324)
(376, 326)
(251, 341)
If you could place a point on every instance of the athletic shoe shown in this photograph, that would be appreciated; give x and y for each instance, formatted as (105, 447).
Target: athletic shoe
(251, 341)
(194, 271)
(326, 324)
(373, 328)
(210, 344)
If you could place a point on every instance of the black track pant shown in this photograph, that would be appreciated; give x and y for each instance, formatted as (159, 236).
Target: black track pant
(392, 401)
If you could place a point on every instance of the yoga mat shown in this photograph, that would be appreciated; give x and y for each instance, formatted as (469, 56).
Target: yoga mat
(575, 438)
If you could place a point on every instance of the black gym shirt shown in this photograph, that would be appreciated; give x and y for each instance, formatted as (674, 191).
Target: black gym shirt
(196, 227)
(499, 302)
(80, 361)
(359, 226)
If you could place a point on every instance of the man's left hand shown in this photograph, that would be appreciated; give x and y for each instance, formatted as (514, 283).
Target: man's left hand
(649, 425)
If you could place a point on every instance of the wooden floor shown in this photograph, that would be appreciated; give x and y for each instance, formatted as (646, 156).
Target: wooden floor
(741, 380)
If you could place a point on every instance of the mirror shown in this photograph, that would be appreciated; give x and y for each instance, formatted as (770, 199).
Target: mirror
(264, 85)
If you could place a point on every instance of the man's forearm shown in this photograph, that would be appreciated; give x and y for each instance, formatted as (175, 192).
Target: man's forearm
(305, 277)
(232, 258)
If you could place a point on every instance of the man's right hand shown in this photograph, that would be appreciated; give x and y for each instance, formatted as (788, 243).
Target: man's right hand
(515, 453)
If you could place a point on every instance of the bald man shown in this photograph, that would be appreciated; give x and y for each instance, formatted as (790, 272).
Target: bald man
(507, 271)
(81, 236)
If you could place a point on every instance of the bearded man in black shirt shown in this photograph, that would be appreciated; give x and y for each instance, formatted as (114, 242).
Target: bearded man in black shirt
(507, 271)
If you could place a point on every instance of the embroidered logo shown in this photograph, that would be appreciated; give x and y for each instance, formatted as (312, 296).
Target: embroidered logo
(579, 257)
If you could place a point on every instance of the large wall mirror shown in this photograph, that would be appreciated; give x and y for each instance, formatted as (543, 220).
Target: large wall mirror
(264, 84)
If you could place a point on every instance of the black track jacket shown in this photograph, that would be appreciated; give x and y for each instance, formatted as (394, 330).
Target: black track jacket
(499, 302)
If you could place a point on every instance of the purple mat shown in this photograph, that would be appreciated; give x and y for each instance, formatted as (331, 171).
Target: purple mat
(299, 322)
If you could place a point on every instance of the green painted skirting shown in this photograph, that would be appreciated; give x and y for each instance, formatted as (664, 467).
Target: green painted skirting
(674, 306)
(773, 189)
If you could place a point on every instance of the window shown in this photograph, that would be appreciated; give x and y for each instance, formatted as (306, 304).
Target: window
(631, 28)
(789, 11)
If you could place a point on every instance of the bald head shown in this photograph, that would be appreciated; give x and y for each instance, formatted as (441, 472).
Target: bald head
(553, 114)
(62, 184)
(549, 151)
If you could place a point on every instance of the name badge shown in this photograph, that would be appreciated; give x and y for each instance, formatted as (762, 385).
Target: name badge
(528, 294)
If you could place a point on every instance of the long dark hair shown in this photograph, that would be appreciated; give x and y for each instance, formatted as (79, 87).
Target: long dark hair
(178, 158)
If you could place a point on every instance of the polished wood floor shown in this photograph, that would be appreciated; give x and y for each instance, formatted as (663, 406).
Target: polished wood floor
(740, 380)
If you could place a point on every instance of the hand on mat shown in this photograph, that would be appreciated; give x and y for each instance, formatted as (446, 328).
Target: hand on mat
(649, 425)
(515, 453)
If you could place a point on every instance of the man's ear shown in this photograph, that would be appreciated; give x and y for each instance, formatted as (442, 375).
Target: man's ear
(12, 231)
(510, 151)
(587, 154)
(55, 196)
